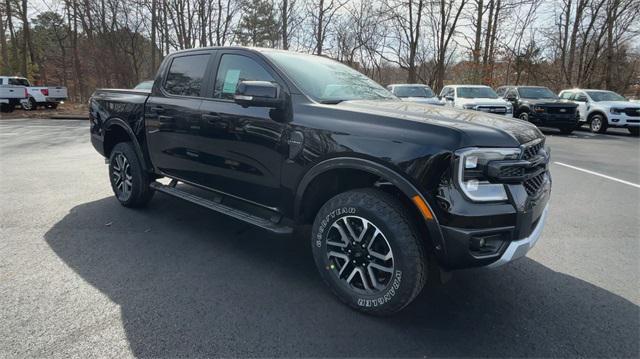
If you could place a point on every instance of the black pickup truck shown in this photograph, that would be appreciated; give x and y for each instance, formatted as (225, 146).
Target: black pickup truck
(394, 191)
(539, 105)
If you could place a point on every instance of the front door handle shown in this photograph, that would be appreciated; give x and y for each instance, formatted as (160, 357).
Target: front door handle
(157, 109)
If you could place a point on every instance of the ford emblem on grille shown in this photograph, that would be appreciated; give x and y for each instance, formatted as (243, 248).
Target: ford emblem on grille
(563, 110)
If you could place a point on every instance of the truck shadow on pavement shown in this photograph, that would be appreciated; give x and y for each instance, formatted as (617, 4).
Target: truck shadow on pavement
(193, 283)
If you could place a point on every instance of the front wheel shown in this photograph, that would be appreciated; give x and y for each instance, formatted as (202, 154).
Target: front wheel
(368, 251)
(129, 181)
(598, 124)
(524, 116)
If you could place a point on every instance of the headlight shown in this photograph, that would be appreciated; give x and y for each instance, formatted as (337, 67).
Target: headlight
(615, 111)
(471, 166)
(509, 108)
(469, 107)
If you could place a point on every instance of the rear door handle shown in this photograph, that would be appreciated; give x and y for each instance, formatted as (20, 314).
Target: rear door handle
(157, 109)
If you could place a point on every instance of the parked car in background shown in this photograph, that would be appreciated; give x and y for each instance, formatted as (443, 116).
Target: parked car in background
(391, 189)
(144, 85)
(10, 96)
(475, 97)
(602, 109)
(415, 93)
(539, 105)
(48, 97)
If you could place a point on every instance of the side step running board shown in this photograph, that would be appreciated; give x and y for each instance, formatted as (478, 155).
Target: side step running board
(219, 207)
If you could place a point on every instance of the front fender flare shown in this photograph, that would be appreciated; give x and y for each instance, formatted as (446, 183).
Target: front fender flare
(377, 169)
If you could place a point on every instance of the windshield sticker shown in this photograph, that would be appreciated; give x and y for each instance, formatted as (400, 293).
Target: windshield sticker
(231, 81)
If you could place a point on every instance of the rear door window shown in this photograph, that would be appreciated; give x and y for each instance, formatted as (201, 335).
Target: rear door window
(186, 74)
(236, 68)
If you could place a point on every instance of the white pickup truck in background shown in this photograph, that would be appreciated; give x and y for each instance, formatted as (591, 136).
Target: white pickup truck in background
(47, 96)
(11, 96)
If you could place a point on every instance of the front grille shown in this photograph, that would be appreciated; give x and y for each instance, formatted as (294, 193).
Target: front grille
(512, 172)
(561, 110)
(534, 184)
(532, 150)
(492, 109)
(633, 112)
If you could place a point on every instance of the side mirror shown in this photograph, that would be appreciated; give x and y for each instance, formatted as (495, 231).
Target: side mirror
(448, 98)
(511, 98)
(258, 94)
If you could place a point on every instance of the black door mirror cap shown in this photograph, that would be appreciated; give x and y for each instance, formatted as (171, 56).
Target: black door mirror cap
(258, 94)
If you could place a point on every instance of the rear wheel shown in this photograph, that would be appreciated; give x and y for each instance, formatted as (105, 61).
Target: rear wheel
(129, 181)
(368, 251)
(598, 124)
(524, 116)
(30, 104)
(634, 131)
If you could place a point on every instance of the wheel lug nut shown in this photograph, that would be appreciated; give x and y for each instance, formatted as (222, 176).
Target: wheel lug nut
(354, 261)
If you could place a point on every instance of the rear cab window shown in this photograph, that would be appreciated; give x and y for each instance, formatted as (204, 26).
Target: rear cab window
(186, 74)
(235, 68)
(18, 82)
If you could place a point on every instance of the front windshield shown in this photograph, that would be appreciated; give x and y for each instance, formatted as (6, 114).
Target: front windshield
(413, 91)
(326, 80)
(476, 92)
(598, 96)
(536, 92)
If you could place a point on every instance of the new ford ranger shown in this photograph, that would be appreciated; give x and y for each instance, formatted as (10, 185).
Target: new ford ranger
(602, 109)
(541, 106)
(394, 192)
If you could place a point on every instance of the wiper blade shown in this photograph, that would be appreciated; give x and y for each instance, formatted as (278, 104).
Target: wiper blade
(331, 102)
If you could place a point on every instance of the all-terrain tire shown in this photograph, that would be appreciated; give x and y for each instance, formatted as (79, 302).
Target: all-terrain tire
(129, 181)
(385, 213)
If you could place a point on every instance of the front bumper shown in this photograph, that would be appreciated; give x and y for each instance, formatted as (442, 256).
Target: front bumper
(520, 248)
(550, 119)
(623, 120)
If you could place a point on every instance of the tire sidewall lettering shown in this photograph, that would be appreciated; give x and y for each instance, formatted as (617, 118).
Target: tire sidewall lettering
(384, 298)
(329, 219)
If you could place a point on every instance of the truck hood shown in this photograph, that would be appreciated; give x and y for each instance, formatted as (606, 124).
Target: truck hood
(482, 101)
(617, 104)
(427, 100)
(481, 129)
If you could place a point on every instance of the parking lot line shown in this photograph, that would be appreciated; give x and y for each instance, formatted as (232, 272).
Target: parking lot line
(599, 174)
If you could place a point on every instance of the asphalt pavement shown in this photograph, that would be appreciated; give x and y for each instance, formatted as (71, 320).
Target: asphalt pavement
(82, 276)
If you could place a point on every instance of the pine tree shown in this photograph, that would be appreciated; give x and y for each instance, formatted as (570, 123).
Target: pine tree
(259, 25)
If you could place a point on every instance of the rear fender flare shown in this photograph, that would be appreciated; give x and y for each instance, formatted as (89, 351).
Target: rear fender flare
(117, 122)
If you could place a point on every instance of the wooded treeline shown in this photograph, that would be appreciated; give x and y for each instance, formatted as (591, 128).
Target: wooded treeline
(84, 44)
